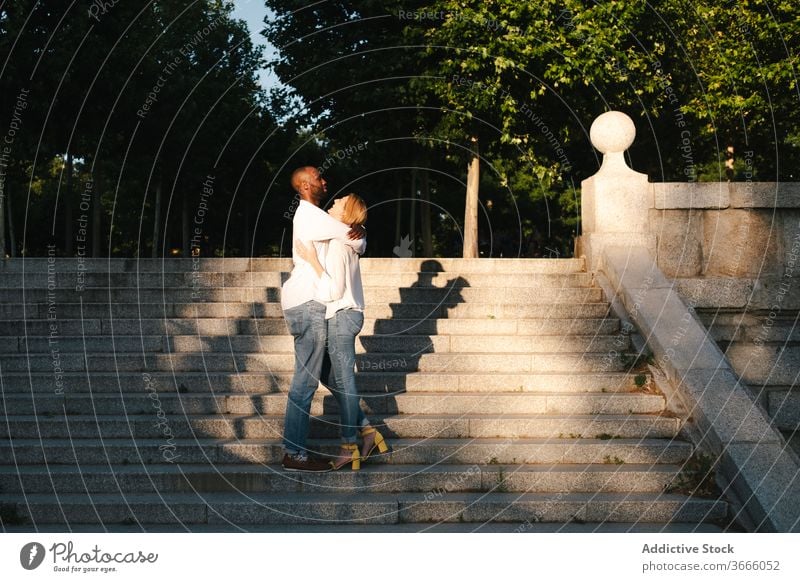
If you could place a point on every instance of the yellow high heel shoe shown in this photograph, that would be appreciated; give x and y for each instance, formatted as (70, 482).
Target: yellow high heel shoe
(352, 456)
(377, 441)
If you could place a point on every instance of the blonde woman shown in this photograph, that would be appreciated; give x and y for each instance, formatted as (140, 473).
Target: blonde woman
(339, 288)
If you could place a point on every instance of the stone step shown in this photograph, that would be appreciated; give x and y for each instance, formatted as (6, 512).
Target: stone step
(324, 402)
(74, 266)
(186, 478)
(425, 451)
(771, 363)
(258, 310)
(242, 344)
(277, 326)
(783, 405)
(368, 382)
(210, 279)
(481, 280)
(604, 426)
(347, 507)
(372, 295)
(453, 363)
(451, 528)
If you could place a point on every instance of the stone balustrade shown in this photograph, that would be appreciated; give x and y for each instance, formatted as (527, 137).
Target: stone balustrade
(696, 262)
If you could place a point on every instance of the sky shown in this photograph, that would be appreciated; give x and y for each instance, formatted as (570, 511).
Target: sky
(253, 13)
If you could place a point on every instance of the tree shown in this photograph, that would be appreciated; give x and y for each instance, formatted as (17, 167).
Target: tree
(138, 99)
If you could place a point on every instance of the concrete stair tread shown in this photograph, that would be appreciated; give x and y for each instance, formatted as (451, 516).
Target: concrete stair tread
(187, 286)
(273, 264)
(87, 304)
(513, 376)
(453, 362)
(340, 497)
(411, 320)
(323, 393)
(566, 527)
(249, 382)
(408, 336)
(354, 506)
(233, 417)
(511, 310)
(283, 344)
(395, 443)
(367, 468)
(261, 326)
(262, 374)
(121, 354)
(450, 403)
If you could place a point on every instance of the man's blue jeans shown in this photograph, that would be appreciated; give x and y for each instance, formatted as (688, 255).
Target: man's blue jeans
(307, 324)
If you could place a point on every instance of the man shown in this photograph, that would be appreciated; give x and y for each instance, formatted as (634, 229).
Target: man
(304, 316)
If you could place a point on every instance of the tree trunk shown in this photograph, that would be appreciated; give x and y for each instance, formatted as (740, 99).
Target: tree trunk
(68, 232)
(471, 207)
(157, 216)
(729, 163)
(186, 235)
(3, 198)
(12, 237)
(97, 215)
(399, 214)
(425, 218)
(246, 246)
(412, 223)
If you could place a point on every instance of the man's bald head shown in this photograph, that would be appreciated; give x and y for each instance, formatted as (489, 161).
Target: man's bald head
(308, 184)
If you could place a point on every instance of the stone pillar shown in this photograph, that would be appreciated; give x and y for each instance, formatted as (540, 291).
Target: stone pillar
(615, 202)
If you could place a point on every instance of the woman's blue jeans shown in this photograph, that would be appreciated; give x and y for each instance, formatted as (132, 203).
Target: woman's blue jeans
(342, 331)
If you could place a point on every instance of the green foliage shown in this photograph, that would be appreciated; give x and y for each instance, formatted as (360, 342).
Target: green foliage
(526, 80)
(414, 82)
(140, 97)
(613, 460)
(697, 477)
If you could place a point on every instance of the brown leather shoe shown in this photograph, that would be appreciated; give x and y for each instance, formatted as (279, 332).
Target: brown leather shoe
(305, 464)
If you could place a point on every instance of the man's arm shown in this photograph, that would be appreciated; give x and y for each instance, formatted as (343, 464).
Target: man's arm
(332, 281)
(318, 225)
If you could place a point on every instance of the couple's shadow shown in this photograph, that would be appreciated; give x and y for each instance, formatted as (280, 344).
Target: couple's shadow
(395, 338)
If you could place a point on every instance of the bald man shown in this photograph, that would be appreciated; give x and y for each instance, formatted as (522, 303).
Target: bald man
(305, 316)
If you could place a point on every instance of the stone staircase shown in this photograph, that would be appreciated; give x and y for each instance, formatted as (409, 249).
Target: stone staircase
(153, 398)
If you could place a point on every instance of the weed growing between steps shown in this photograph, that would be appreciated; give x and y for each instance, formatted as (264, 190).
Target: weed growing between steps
(697, 478)
(501, 486)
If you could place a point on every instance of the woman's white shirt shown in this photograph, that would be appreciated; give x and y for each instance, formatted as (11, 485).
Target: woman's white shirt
(339, 286)
(311, 223)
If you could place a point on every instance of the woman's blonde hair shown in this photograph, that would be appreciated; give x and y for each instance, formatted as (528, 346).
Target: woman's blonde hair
(355, 210)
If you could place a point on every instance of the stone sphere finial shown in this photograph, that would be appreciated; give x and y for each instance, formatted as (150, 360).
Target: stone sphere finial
(612, 132)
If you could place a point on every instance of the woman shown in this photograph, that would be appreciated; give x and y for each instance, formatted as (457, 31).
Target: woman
(339, 288)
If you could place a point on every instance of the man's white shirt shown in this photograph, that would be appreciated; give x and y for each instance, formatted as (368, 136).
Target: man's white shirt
(312, 225)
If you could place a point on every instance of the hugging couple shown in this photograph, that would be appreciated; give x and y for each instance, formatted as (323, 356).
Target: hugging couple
(323, 304)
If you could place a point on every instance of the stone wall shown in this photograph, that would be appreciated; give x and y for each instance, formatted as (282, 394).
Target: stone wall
(733, 250)
(730, 245)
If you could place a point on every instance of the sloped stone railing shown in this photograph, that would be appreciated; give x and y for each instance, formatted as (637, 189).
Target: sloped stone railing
(635, 235)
